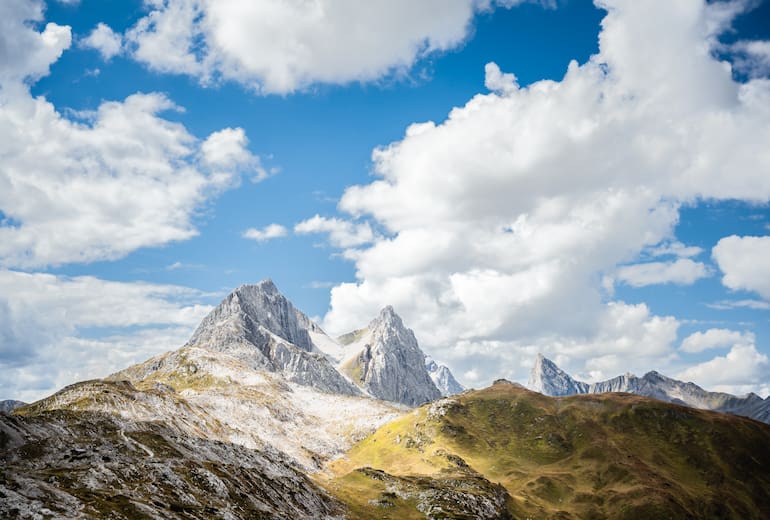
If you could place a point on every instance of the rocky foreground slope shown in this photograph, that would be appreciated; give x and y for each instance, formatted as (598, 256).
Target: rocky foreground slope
(69, 464)
(549, 379)
(507, 452)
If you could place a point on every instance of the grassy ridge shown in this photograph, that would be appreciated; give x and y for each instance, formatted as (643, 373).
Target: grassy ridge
(597, 456)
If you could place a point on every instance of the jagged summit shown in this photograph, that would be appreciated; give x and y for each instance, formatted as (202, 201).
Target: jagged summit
(442, 377)
(549, 379)
(388, 314)
(385, 359)
(260, 326)
(261, 304)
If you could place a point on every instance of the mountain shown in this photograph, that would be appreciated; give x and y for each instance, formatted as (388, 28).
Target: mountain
(507, 452)
(242, 379)
(442, 377)
(549, 379)
(258, 325)
(385, 360)
(255, 374)
(10, 405)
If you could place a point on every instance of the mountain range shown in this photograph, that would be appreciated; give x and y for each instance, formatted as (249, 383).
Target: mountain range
(549, 379)
(261, 414)
(260, 326)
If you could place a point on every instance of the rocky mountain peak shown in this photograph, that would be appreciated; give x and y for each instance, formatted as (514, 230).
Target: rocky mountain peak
(442, 377)
(260, 326)
(10, 405)
(388, 320)
(263, 305)
(387, 362)
(267, 285)
(549, 379)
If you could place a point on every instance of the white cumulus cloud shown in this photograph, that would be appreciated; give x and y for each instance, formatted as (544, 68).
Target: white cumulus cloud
(675, 248)
(226, 150)
(716, 338)
(501, 221)
(743, 368)
(744, 262)
(44, 321)
(103, 39)
(97, 185)
(26, 54)
(266, 233)
(342, 233)
(277, 46)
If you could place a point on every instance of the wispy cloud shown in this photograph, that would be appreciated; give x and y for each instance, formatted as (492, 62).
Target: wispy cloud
(740, 304)
(319, 285)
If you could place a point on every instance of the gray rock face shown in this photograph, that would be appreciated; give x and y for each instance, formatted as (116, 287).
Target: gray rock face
(10, 405)
(549, 379)
(257, 324)
(442, 377)
(626, 383)
(388, 362)
(758, 408)
(65, 464)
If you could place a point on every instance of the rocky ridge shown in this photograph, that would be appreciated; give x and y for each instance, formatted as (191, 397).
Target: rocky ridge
(260, 409)
(549, 379)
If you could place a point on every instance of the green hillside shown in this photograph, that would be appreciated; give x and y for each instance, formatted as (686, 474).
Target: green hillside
(508, 452)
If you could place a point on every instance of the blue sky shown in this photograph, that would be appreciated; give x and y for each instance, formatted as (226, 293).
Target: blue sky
(610, 213)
